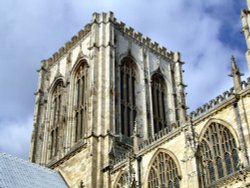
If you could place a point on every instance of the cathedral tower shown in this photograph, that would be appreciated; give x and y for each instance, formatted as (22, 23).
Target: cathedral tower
(100, 97)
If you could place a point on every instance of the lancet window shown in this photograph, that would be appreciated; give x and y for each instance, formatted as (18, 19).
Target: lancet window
(158, 100)
(80, 101)
(218, 154)
(163, 172)
(127, 96)
(56, 118)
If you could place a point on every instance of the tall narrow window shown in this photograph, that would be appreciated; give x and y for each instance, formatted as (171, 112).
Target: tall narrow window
(127, 96)
(56, 118)
(158, 99)
(80, 101)
(217, 154)
(163, 172)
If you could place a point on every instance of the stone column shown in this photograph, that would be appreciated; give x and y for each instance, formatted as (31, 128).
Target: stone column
(245, 17)
(34, 148)
(180, 87)
(191, 178)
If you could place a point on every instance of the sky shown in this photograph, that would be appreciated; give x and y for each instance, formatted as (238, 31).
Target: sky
(207, 33)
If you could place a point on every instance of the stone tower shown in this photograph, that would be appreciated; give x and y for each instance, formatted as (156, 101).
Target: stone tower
(100, 97)
(110, 112)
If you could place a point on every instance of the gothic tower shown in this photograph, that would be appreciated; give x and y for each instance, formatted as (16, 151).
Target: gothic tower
(100, 97)
(110, 112)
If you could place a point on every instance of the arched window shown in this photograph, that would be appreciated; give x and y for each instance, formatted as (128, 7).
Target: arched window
(158, 99)
(127, 96)
(218, 154)
(80, 101)
(163, 172)
(56, 118)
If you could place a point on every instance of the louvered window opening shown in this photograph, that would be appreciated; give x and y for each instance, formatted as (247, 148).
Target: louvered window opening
(158, 99)
(127, 96)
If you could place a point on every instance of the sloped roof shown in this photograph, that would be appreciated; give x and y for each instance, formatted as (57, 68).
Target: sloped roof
(15, 172)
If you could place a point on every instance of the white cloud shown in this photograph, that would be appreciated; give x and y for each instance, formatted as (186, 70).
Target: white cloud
(15, 136)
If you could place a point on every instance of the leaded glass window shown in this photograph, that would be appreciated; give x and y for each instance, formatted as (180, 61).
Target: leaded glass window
(218, 154)
(127, 96)
(158, 99)
(80, 102)
(55, 117)
(163, 172)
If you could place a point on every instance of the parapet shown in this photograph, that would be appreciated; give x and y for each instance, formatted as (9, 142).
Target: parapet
(98, 18)
(220, 99)
(175, 56)
(68, 45)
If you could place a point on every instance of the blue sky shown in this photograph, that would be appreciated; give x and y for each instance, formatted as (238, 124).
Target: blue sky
(207, 33)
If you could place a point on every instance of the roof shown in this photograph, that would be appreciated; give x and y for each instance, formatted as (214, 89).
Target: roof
(16, 172)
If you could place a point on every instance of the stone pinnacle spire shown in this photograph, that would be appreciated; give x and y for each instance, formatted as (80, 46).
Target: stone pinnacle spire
(236, 75)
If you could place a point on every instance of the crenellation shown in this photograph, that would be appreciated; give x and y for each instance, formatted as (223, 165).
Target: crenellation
(74, 40)
(138, 36)
(212, 104)
(163, 51)
(129, 31)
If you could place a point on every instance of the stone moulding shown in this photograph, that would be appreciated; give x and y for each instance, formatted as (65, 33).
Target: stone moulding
(220, 99)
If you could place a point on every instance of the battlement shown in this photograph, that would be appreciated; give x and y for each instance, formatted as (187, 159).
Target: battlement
(68, 45)
(220, 99)
(175, 56)
(99, 18)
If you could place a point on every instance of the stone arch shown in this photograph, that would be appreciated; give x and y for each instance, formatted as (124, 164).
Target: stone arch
(158, 71)
(79, 102)
(55, 116)
(222, 122)
(119, 179)
(127, 82)
(217, 154)
(55, 82)
(153, 160)
(78, 63)
(159, 99)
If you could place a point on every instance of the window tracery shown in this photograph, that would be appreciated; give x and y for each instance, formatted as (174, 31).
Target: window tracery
(56, 118)
(127, 96)
(158, 100)
(163, 172)
(80, 101)
(218, 156)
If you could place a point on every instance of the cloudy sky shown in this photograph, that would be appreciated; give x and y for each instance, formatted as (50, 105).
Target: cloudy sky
(207, 33)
